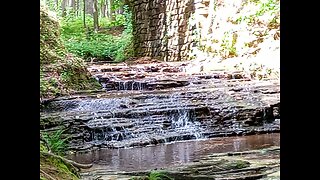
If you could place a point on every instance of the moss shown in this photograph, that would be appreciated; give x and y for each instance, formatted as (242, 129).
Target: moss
(42, 147)
(56, 168)
(48, 122)
(60, 72)
(51, 47)
(237, 164)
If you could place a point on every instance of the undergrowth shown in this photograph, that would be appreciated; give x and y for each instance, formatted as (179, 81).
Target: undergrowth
(56, 142)
(88, 44)
(154, 175)
(50, 166)
(60, 71)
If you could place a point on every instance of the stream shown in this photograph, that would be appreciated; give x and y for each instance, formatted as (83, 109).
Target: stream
(155, 116)
(172, 154)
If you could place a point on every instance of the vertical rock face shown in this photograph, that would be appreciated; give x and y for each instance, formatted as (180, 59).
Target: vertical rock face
(163, 28)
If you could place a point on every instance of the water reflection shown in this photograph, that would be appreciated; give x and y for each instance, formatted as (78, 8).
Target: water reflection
(170, 154)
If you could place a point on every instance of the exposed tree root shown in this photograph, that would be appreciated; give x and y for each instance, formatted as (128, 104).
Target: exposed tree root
(47, 175)
(75, 164)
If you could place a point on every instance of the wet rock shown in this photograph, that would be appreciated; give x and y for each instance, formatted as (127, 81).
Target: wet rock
(255, 164)
(158, 108)
(249, 122)
(123, 106)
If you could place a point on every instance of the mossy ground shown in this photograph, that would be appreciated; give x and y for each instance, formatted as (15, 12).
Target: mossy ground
(55, 168)
(60, 72)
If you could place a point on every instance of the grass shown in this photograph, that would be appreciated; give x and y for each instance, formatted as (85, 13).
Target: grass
(158, 175)
(154, 175)
(56, 143)
(51, 167)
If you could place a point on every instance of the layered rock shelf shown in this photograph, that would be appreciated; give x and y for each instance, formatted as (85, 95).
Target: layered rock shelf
(141, 106)
(261, 164)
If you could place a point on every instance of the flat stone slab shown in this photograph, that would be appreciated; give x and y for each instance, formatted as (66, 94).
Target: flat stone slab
(255, 164)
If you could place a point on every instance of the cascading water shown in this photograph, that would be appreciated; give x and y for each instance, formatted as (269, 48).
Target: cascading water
(112, 123)
(183, 118)
(134, 116)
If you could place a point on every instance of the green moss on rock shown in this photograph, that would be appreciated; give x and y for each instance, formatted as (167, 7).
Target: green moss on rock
(60, 72)
(51, 47)
(56, 168)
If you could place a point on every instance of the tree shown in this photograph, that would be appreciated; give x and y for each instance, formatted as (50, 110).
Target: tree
(103, 6)
(78, 7)
(95, 15)
(63, 8)
(73, 5)
(57, 4)
(207, 25)
(111, 9)
(84, 13)
(89, 7)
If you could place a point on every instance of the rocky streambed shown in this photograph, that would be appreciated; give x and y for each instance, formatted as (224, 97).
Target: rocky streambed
(144, 104)
(160, 116)
(261, 164)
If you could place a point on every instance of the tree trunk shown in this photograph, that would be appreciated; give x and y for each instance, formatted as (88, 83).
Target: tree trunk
(207, 25)
(73, 5)
(56, 4)
(111, 10)
(95, 15)
(103, 9)
(89, 7)
(120, 10)
(63, 8)
(108, 9)
(75, 164)
(84, 14)
(77, 7)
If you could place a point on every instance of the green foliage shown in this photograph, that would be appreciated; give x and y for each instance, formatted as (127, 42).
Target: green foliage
(101, 46)
(128, 19)
(56, 142)
(228, 45)
(272, 7)
(239, 164)
(72, 26)
(48, 85)
(89, 44)
(75, 76)
(57, 168)
(154, 175)
(158, 175)
(43, 147)
(59, 71)
(117, 4)
(119, 20)
(66, 168)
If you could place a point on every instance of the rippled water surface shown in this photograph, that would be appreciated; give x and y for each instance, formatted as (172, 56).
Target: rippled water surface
(171, 154)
